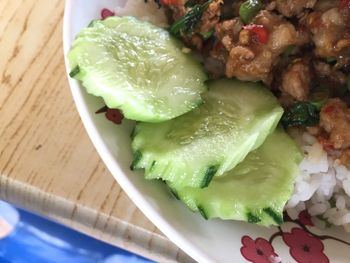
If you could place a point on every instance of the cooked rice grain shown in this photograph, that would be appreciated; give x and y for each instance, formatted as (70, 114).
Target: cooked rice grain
(149, 12)
(323, 186)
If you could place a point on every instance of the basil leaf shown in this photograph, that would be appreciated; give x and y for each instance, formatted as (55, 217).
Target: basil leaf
(301, 114)
(189, 21)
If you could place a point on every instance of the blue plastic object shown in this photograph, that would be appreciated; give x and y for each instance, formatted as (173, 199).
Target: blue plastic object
(28, 238)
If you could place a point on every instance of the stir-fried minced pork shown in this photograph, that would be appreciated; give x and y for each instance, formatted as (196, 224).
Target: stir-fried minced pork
(323, 5)
(297, 79)
(178, 9)
(331, 32)
(252, 60)
(335, 120)
(227, 34)
(209, 18)
(290, 8)
(300, 49)
(325, 70)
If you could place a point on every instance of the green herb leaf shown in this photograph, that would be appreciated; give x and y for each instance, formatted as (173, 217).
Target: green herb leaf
(75, 71)
(301, 114)
(189, 21)
(249, 9)
(190, 3)
(330, 60)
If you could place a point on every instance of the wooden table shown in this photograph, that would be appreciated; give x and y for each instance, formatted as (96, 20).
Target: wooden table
(47, 162)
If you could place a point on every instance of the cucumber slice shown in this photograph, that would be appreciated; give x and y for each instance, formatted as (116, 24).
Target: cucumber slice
(235, 119)
(256, 190)
(138, 68)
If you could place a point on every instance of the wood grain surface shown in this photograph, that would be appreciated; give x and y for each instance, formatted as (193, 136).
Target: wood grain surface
(47, 162)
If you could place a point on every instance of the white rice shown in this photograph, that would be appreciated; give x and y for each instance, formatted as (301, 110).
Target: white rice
(323, 186)
(149, 12)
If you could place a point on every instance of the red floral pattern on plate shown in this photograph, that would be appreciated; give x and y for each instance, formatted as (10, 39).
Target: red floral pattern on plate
(305, 248)
(257, 251)
(304, 245)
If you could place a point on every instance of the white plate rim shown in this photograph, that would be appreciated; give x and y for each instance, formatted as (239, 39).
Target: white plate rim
(133, 193)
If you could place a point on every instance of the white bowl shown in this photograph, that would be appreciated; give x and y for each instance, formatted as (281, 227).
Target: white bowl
(205, 241)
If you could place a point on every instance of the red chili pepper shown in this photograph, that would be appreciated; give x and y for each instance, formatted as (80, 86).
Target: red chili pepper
(113, 115)
(344, 4)
(329, 109)
(259, 31)
(325, 143)
(168, 2)
(302, 28)
(106, 13)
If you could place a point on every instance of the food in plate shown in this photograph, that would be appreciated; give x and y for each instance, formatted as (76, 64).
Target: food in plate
(234, 119)
(256, 190)
(214, 148)
(138, 68)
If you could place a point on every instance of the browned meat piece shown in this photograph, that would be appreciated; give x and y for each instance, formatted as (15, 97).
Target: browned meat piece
(335, 119)
(293, 7)
(345, 157)
(324, 5)
(323, 69)
(331, 32)
(281, 36)
(334, 109)
(244, 65)
(210, 17)
(226, 32)
(286, 100)
(297, 78)
(252, 60)
(271, 6)
(214, 67)
(194, 41)
(303, 38)
(178, 9)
